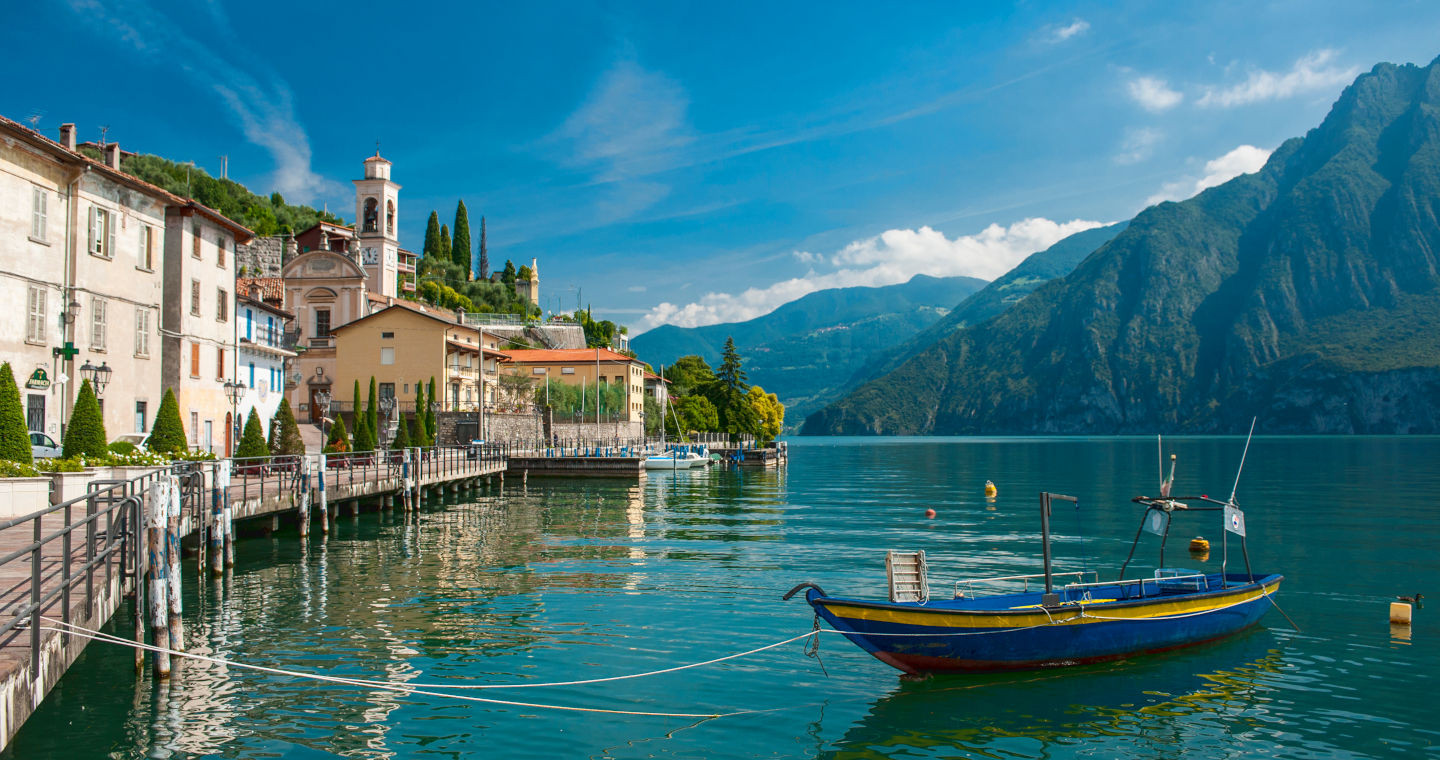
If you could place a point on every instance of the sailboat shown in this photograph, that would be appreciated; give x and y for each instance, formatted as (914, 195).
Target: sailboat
(676, 458)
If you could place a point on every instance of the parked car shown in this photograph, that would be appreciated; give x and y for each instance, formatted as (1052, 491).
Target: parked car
(139, 439)
(43, 446)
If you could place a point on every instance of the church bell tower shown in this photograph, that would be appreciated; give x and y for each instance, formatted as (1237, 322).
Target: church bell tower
(377, 201)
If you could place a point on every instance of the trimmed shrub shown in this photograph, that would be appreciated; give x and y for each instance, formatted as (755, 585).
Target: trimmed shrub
(430, 426)
(85, 435)
(285, 439)
(123, 448)
(372, 411)
(418, 433)
(339, 441)
(252, 441)
(167, 435)
(14, 434)
(402, 435)
(364, 439)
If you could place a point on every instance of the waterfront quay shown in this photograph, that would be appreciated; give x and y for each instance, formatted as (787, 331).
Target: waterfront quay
(126, 541)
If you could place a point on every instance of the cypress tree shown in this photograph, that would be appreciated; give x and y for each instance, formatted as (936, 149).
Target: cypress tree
(14, 435)
(507, 276)
(484, 254)
(167, 435)
(444, 242)
(86, 433)
(339, 441)
(364, 439)
(417, 431)
(355, 409)
(285, 439)
(252, 441)
(402, 436)
(430, 432)
(372, 412)
(460, 245)
(432, 237)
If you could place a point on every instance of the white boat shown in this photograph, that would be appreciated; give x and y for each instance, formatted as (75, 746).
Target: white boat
(675, 460)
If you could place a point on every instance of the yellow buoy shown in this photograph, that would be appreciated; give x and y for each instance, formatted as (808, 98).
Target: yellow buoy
(1400, 613)
(990, 489)
(1199, 545)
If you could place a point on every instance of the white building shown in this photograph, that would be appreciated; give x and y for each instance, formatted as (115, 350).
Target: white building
(263, 359)
(377, 201)
(80, 252)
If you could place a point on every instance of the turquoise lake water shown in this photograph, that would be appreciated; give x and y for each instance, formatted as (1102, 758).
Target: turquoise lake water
(571, 579)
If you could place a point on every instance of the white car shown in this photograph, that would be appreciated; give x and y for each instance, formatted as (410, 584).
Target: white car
(43, 446)
(139, 439)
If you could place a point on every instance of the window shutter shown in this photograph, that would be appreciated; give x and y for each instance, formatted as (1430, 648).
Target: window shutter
(94, 216)
(110, 235)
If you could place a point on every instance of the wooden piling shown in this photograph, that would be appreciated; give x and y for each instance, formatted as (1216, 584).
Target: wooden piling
(303, 500)
(172, 539)
(216, 528)
(157, 568)
(324, 501)
(228, 516)
(138, 534)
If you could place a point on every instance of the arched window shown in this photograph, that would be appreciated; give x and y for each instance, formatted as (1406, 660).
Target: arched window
(372, 212)
(390, 218)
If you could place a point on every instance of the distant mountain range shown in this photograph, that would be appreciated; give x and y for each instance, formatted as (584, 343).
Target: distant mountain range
(805, 351)
(1307, 294)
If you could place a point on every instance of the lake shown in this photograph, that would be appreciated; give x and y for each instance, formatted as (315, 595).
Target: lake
(587, 579)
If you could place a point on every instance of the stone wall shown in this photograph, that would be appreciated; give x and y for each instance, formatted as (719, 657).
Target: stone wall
(263, 256)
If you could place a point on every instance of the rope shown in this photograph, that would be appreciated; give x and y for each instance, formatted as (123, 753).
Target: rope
(74, 630)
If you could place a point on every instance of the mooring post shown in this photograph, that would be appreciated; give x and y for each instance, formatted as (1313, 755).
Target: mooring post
(303, 496)
(324, 503)
(158, 566)
(216, 546)
(227, 513)
(138, 542)
(172, 539)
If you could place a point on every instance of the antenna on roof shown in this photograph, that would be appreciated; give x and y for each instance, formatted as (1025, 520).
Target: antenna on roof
(104, 130)
(224, 167)
(34, 120)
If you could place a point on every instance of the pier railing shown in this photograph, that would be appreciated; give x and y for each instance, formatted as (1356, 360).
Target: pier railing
(67, 554)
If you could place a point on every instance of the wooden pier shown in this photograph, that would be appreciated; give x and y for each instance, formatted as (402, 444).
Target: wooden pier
(76, 563)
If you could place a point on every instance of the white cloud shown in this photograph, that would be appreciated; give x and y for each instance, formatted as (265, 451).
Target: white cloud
(261, 102)
(1245, 159)
(892, 257)
(1153, 94)
(1138, 145)
(1077, 27)
(636, 289)
(1313, 71)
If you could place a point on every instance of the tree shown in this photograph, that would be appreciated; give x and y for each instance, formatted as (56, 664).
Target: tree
(372, 412)
(85, 436)
(430, 432)
(445, 244)
(339, 441)
(402, 436)
(689, 374)
(355, 408)
(252, 440)
(420, 434)
(364, 439)
(460, 252)
(14, 434)
(691, 413)
(167, 435)
(285, 439)
(508, 275)
(484, 254)
(431, 248)
(769, 410)
(731, 374)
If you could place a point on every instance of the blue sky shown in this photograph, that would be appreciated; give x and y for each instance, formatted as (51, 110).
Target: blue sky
(702, 162)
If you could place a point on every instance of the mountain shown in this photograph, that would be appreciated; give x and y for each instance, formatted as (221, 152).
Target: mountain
(1037, 269)
(805, 350)
(1306, 294)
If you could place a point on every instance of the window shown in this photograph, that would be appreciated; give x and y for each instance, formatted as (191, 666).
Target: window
(102, 232)
(97, 324)
(371, 212)
(139, 416)
(35, 325)
(252, 374)
(194, 426)
(567, 370)
(39, 213)
(194, 364)
(387, 355)
(386, 335)
(195, 297)
(195, 241)
(322, 323)
(222, 306)
(220, 251)
(220, 364)
(142, 331)
(537, 370)
(147, 247)
(390, 218)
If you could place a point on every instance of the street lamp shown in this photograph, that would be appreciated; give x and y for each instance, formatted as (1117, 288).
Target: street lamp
(322, 400)
(234, 391)
(72, 311)
(98, 376)
(387, 405)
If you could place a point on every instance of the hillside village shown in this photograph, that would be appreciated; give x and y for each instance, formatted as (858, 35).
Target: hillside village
(139, 291)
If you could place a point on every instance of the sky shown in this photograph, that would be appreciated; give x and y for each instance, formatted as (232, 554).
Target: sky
(693, 163)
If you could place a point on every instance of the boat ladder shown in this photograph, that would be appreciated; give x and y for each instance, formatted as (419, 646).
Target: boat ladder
(906, 574)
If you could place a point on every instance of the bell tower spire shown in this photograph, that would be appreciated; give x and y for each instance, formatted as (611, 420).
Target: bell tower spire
(377, 207)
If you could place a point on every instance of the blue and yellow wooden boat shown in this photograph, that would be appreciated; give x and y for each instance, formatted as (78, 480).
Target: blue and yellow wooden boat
(1051, 626)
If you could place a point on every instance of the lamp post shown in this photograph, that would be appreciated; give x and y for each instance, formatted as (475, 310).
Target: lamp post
(322, 400)
(233, 392)
(98, 376)
(387, 405)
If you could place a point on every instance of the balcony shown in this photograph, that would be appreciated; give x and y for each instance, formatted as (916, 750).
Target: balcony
(325, 342)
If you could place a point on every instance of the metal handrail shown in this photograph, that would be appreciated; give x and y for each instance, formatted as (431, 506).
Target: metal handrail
(968, 582)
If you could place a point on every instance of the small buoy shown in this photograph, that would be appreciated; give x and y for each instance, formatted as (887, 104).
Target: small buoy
(930, 513)
(1198, 545)
(990, 489)
(1400, 613)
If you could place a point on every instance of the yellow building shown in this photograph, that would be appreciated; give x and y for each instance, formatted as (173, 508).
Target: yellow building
(583, 366)
(402, 346)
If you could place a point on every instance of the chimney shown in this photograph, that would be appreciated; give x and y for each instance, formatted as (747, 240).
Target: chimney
(67, 137)
(112, 155)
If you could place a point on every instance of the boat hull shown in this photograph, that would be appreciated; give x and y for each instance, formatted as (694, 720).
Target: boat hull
(958, 636)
